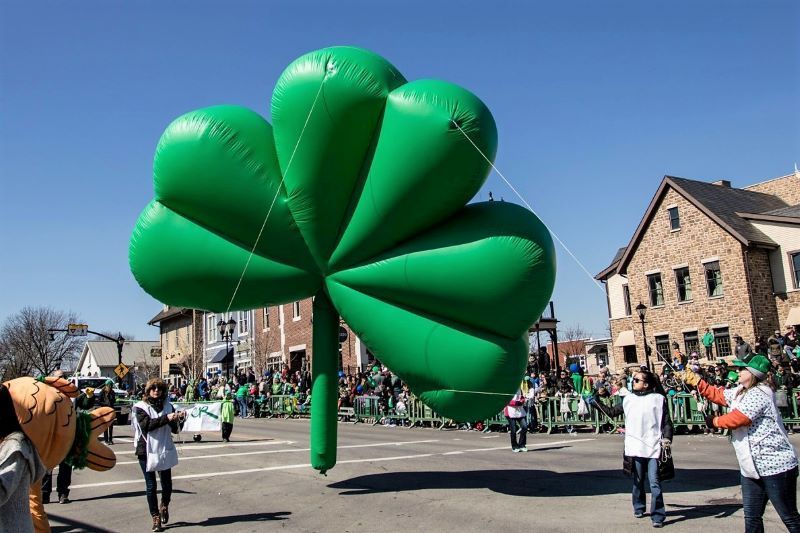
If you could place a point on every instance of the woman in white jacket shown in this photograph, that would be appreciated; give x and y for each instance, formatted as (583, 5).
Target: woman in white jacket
(767, 460)
(648, 430)
(153, 422)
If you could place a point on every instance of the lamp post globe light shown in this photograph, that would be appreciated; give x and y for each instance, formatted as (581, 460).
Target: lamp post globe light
(641, 310)
(226, 330)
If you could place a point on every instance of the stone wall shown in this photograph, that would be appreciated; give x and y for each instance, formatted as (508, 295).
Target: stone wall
(784, 302)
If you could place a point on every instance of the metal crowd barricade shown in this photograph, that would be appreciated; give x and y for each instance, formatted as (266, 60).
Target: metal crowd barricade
(419, 414)
(366, 409)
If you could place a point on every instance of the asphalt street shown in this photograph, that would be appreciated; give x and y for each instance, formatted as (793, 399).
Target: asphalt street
(398, 479)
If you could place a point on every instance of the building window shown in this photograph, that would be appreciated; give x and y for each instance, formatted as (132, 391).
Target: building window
(674, 219)
(795, 261)
(691, 342)
(266, 318)
(626, 296)
(211, 328)
(713, 278)
(244, 322)
(296, 310)
(630, 355)
(662, 347)
(684, 283)
(722, 342)
(656, 289)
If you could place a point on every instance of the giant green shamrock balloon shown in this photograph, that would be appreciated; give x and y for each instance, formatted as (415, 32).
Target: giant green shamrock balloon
(365, 178)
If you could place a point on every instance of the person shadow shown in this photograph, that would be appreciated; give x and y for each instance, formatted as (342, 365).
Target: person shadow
(532, 483)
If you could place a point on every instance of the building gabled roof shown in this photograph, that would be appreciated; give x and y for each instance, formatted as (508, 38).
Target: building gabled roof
(791, 211)
(784, 215)
(611, 266)
(169, 312)
(105, 353)
(720, 203)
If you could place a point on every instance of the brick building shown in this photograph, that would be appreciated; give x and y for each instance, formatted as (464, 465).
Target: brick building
(263, 338)
(707, 255)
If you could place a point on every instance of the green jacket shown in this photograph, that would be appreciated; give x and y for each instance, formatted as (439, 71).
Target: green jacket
(241, 392)
(708, 339)
(226, 413)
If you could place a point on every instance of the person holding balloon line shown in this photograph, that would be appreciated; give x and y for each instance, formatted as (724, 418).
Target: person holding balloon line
(648, 435)
(767, 460)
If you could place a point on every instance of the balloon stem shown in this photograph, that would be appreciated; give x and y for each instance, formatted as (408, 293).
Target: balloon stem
(324, 366)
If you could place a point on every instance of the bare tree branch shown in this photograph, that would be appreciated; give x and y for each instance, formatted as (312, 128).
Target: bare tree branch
(27, 348)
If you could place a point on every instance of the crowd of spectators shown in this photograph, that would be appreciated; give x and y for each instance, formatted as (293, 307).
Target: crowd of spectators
(568, 386)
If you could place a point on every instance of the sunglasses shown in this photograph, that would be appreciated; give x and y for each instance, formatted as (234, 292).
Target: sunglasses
(637, 380)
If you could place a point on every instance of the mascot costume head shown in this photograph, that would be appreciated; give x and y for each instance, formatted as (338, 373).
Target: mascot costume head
(58, 431)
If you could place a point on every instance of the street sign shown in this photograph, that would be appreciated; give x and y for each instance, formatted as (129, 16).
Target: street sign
(342, 334)
(121, 371)
(77, 330)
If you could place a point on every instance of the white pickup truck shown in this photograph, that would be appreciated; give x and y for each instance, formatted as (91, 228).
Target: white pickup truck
(123, 409)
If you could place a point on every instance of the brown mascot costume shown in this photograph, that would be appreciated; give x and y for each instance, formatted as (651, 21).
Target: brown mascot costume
(59, 432)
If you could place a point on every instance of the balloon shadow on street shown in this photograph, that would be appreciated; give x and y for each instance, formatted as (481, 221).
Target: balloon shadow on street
(234, 519)
(532, 483)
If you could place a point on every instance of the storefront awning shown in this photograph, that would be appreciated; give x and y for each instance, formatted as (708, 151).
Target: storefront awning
(625, 338)
(220, 356)
(794, 317)
(598, 348)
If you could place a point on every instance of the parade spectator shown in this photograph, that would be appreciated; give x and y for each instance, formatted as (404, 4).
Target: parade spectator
(648, 434)
(708, 343)
(108, 399)
(153, 419)
(242, 394)
(767, 460)
(742, 350)
(517, 423)
(226, 417)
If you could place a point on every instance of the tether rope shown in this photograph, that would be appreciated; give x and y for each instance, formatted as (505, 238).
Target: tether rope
(510, 186)
(277, 192)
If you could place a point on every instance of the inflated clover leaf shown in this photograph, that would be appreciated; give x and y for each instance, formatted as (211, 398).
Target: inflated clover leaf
(366, 178)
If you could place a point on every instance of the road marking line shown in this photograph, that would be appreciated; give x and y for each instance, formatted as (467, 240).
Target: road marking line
(180, 444)
(491, 437)
(287, 450)
(307, 465)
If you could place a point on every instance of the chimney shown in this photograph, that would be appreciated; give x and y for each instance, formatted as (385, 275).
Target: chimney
(722, 183)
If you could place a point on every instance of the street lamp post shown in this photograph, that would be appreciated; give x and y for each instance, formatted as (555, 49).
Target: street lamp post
(226, 329)
(641, 309)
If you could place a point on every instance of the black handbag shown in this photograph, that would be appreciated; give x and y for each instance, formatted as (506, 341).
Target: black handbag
(666, 467)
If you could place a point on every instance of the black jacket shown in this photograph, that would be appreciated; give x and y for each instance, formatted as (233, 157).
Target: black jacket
(148, 424)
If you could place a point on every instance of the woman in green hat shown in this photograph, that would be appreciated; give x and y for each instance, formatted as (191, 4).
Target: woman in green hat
(767, 460)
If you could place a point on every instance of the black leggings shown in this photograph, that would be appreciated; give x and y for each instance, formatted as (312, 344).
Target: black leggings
(150, 484)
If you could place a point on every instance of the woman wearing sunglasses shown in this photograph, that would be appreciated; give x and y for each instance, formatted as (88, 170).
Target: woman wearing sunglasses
(648, 430)
(153, 422)
(767, 460)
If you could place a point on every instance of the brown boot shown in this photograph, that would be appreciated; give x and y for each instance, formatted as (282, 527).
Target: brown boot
(164, 511)
(157, 523)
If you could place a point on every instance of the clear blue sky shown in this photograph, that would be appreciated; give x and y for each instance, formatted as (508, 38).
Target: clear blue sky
(594, 101)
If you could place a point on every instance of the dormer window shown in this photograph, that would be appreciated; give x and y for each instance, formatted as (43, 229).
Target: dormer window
(674, 218)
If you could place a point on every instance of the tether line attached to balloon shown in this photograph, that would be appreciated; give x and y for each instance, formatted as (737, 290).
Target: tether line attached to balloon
(528, 206)
(274, 198)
